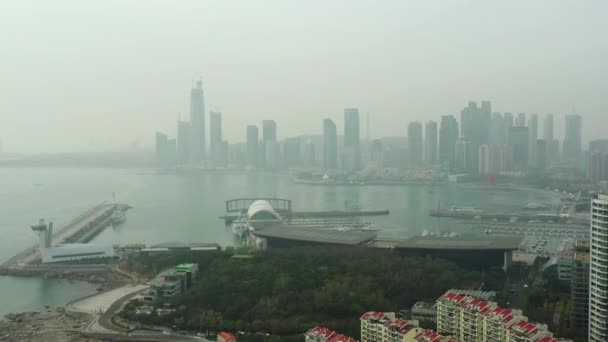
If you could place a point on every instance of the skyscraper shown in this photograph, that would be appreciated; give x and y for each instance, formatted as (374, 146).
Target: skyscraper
(520, 121)
(292, 152)
(598, 295)
(548, 128)
(448, 136)
(269, 144)
(352, 147)
(197, 122)
(552, 144)
(430, 143)
(330, 145)
(497, 130)
(572, 149)
(532, 139)
(165, 149)
(475, 127)
(507, 119)
(494, 159)
(519, 140)
(184, 141)
(598, 166)
(252, 146)
(215, 139)
(414, 144)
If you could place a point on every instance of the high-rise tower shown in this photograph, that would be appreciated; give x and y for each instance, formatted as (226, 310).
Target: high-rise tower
(330, 145)
(352, 140)
(197, 122)
(598, 288)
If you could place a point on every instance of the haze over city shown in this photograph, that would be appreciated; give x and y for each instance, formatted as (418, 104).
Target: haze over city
(81, 76)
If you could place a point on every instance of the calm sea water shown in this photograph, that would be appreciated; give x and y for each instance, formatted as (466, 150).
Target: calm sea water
(186, 207)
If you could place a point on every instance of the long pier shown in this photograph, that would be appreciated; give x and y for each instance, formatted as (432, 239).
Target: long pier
(509, 217)
(82, 229)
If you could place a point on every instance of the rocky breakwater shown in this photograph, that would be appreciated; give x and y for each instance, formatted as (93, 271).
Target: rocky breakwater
(52, 324)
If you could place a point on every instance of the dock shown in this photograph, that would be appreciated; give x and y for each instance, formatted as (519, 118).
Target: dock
(509, 217)
(82, 229)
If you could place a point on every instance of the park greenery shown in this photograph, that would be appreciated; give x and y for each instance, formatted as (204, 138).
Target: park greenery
(286, 292)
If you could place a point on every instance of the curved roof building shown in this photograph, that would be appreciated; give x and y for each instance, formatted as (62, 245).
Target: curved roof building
(262, 211)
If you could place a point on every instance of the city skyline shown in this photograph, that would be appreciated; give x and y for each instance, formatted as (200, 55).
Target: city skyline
(396, 61)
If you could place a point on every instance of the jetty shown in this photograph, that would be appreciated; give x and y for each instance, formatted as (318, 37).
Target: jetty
(81, 229)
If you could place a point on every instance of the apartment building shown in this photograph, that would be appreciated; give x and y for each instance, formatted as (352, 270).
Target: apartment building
(384, 327)
(321, 334)
(432, 336)
(468, 319)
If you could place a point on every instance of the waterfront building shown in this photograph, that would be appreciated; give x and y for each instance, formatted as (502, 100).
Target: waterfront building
(330, 145)
(269, 150)
(291, 152)
(542, 158)
(252, 146)
(430, 143)
(376, 151)
(520, 121)
(197, 122)
(321, 334)
(464, 155)
(508, 123)
(572, 150)
(165, 149)
(532, 139)
(414, 144)
(216, 142)
(475, 127)
(494, 159)
(310, 158)
(172, 282)
(598, 289)
(497, 130)
(552, 148)
(183, 141)
(518, 140)
(448, 136)
(599, 145)
(352, 143)
(598, 166)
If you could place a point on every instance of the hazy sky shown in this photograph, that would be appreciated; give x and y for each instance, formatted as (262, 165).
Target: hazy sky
(93, 74)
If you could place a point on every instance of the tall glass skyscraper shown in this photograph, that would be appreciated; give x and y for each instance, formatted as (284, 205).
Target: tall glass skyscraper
(352, 141)
(197, 122)
(330, 145)
(598, 287)
(598, 284)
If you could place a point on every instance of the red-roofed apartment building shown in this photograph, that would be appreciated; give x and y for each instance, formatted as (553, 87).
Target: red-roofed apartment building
(226, 337)
(466, 318)
(384, 327)
(320, 334)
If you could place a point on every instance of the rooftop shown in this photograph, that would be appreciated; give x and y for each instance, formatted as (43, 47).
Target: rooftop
(315, 235)
(184, 266)
(462, 243)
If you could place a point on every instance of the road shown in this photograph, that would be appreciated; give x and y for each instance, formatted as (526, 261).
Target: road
(104, 306)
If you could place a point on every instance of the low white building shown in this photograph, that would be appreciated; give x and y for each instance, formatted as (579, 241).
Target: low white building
(76, 252)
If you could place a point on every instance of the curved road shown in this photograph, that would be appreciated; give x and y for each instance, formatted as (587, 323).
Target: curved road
(110, 303)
